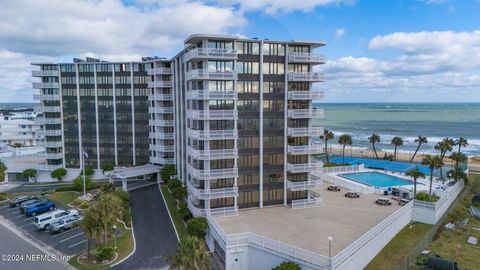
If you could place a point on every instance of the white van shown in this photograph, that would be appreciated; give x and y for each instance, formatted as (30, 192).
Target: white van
(43, 221)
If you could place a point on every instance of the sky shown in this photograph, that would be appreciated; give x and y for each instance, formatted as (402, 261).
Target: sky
(377, 51)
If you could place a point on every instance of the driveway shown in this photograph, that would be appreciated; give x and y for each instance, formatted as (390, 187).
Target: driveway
(154, 232)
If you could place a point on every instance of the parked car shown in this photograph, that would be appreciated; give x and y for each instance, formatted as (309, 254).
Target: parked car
(64, 224)
(40, 207)
(44, 221)
(20, 199)
(27, 203)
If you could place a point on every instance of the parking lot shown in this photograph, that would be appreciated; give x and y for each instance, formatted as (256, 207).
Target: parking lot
(69, 242)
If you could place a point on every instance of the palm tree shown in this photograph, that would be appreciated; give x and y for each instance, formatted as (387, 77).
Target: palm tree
(396, 141)
(461, 142)
(415, 174)
(374, 139)
(444, 146)
(327, 135)
(432, 163)
(420, 140)
(191, 254)
(457, 158)
(345, 139)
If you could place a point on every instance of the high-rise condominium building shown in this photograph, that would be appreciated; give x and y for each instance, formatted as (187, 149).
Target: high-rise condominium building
(234, 115)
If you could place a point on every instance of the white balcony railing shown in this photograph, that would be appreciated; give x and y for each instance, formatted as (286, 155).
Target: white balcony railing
(212, 154)
(160, 84)
(305, 113)
(52, 144)
(162, 148)
(305, 149)
(305, 95)
(211, 53)
(305, 76)
(53, 132)
(160, 110)
(305, 132)
(49, 121)
(314, 183)
(159, 71)
(47, 108)
(37, 85)
(207, 174)
(313, 201)
(305, 167)
(212, 114)
(205, 74)
(298, 57)
(206, 94)
(46, 97)
(53, 155)
(44, 73)
(160, 97)
(50, 167)
(162, 160)
(195, 210)
(212, 193)
(161, 123)
(212, 134)
(162, 135)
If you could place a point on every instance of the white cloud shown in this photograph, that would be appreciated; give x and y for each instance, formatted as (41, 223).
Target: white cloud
(435, 2)
(339, 33)
(272, 7)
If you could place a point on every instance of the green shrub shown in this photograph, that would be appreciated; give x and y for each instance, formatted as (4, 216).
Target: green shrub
(3, 196)
(104, 253)
(166, 172)
(108, 166)
(172, 184)
(66, 188)
(106, 187)
(88, 171)
(422, 196)
(184, 211)
(78, 183)
(179, 193)
(127, 217)
(287, 266)
(197, 227)
(123, 196)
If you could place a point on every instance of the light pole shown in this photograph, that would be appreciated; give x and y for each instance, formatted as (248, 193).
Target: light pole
(330, 239)
(115, 235)
(83, 172)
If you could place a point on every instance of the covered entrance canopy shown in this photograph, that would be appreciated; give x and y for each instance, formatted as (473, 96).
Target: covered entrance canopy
(132, 172)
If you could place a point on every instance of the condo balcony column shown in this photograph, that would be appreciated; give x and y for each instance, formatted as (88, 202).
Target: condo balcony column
(330, 239)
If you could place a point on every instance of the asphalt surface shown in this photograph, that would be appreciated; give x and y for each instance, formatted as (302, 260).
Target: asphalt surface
(11, 244)
(154, 232)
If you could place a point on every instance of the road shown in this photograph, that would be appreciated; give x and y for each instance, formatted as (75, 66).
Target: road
(11, 244)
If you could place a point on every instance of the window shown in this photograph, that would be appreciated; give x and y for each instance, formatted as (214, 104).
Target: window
(273, 105)
(274, 87)
(273, 49)
(220, 86)
(220, 66)
(248, 48)
(248, 87)
(216, 44)
(273, 68)
(248, 67)
(67, 68)
(299, 48)
(248, 105)
(298, 68)
(104, 68)
(122, 67)
(85, 68)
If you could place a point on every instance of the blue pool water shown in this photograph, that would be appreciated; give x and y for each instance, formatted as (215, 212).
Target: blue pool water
(395, 166)
(376, 179)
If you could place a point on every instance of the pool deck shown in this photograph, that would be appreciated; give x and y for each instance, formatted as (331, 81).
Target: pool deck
(342, 218)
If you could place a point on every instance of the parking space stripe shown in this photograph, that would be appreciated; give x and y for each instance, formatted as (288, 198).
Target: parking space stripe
(67, 231)
(68, 238)
(28, 218)
(78, 243)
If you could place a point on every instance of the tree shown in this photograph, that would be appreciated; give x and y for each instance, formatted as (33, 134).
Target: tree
(374, 139)
(108, 166)
(167, 171)
(191, 254)
(415, 174)
(432, 162)
(287, 266)
(457, 157)
(461, 142)
(396, 141)
(103, 212)
(420, 140)
(58, 174)
(30, 173)
(88, 171)
(327, 135)
(197, 227)
(344, 140)
(3, 168)
(443, 147)
(457, 175)
(92, 226)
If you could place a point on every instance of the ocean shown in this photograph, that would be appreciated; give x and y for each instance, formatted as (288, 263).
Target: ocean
(432, 120)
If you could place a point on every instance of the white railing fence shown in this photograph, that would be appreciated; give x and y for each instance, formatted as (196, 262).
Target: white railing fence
(343, 169)
(343, 183)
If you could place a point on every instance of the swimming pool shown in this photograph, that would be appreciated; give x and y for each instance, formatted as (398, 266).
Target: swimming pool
(396, 166)
(377, 179)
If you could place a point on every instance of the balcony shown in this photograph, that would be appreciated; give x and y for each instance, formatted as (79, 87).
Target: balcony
(160, 84)
(313, 200)
(211, 53)
(212, 134)
(53, 155)
(52, 144)
(305, 132)
(212, 154)
(162, 135)
(162, 160)
(195, 210)
(207, 194)
(162, 148)
(207, 174)
(159, 71)
(305, 113)
(299, 57)
(46, 97)
(305, 95)
(305, 149)
(47, 108)
(205, 74)
(215, 212)
(49, 121)
(305, 76)
(305, 167)
(206, 94)
(37, 85)
(160, 110)
(53, 132)
(50, 167)
(314, 183)
(44, 73)
(161, 123)
(212, 114)
(160, 97)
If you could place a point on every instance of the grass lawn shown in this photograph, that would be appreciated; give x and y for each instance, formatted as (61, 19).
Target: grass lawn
(172, 207)
(451, 244)
(399, 247)
(124, 248)
(63, 198)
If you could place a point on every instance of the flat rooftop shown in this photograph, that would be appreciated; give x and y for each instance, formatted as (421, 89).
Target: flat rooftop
(342, 218)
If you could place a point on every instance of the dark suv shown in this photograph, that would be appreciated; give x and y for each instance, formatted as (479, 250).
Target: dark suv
(20, 199)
